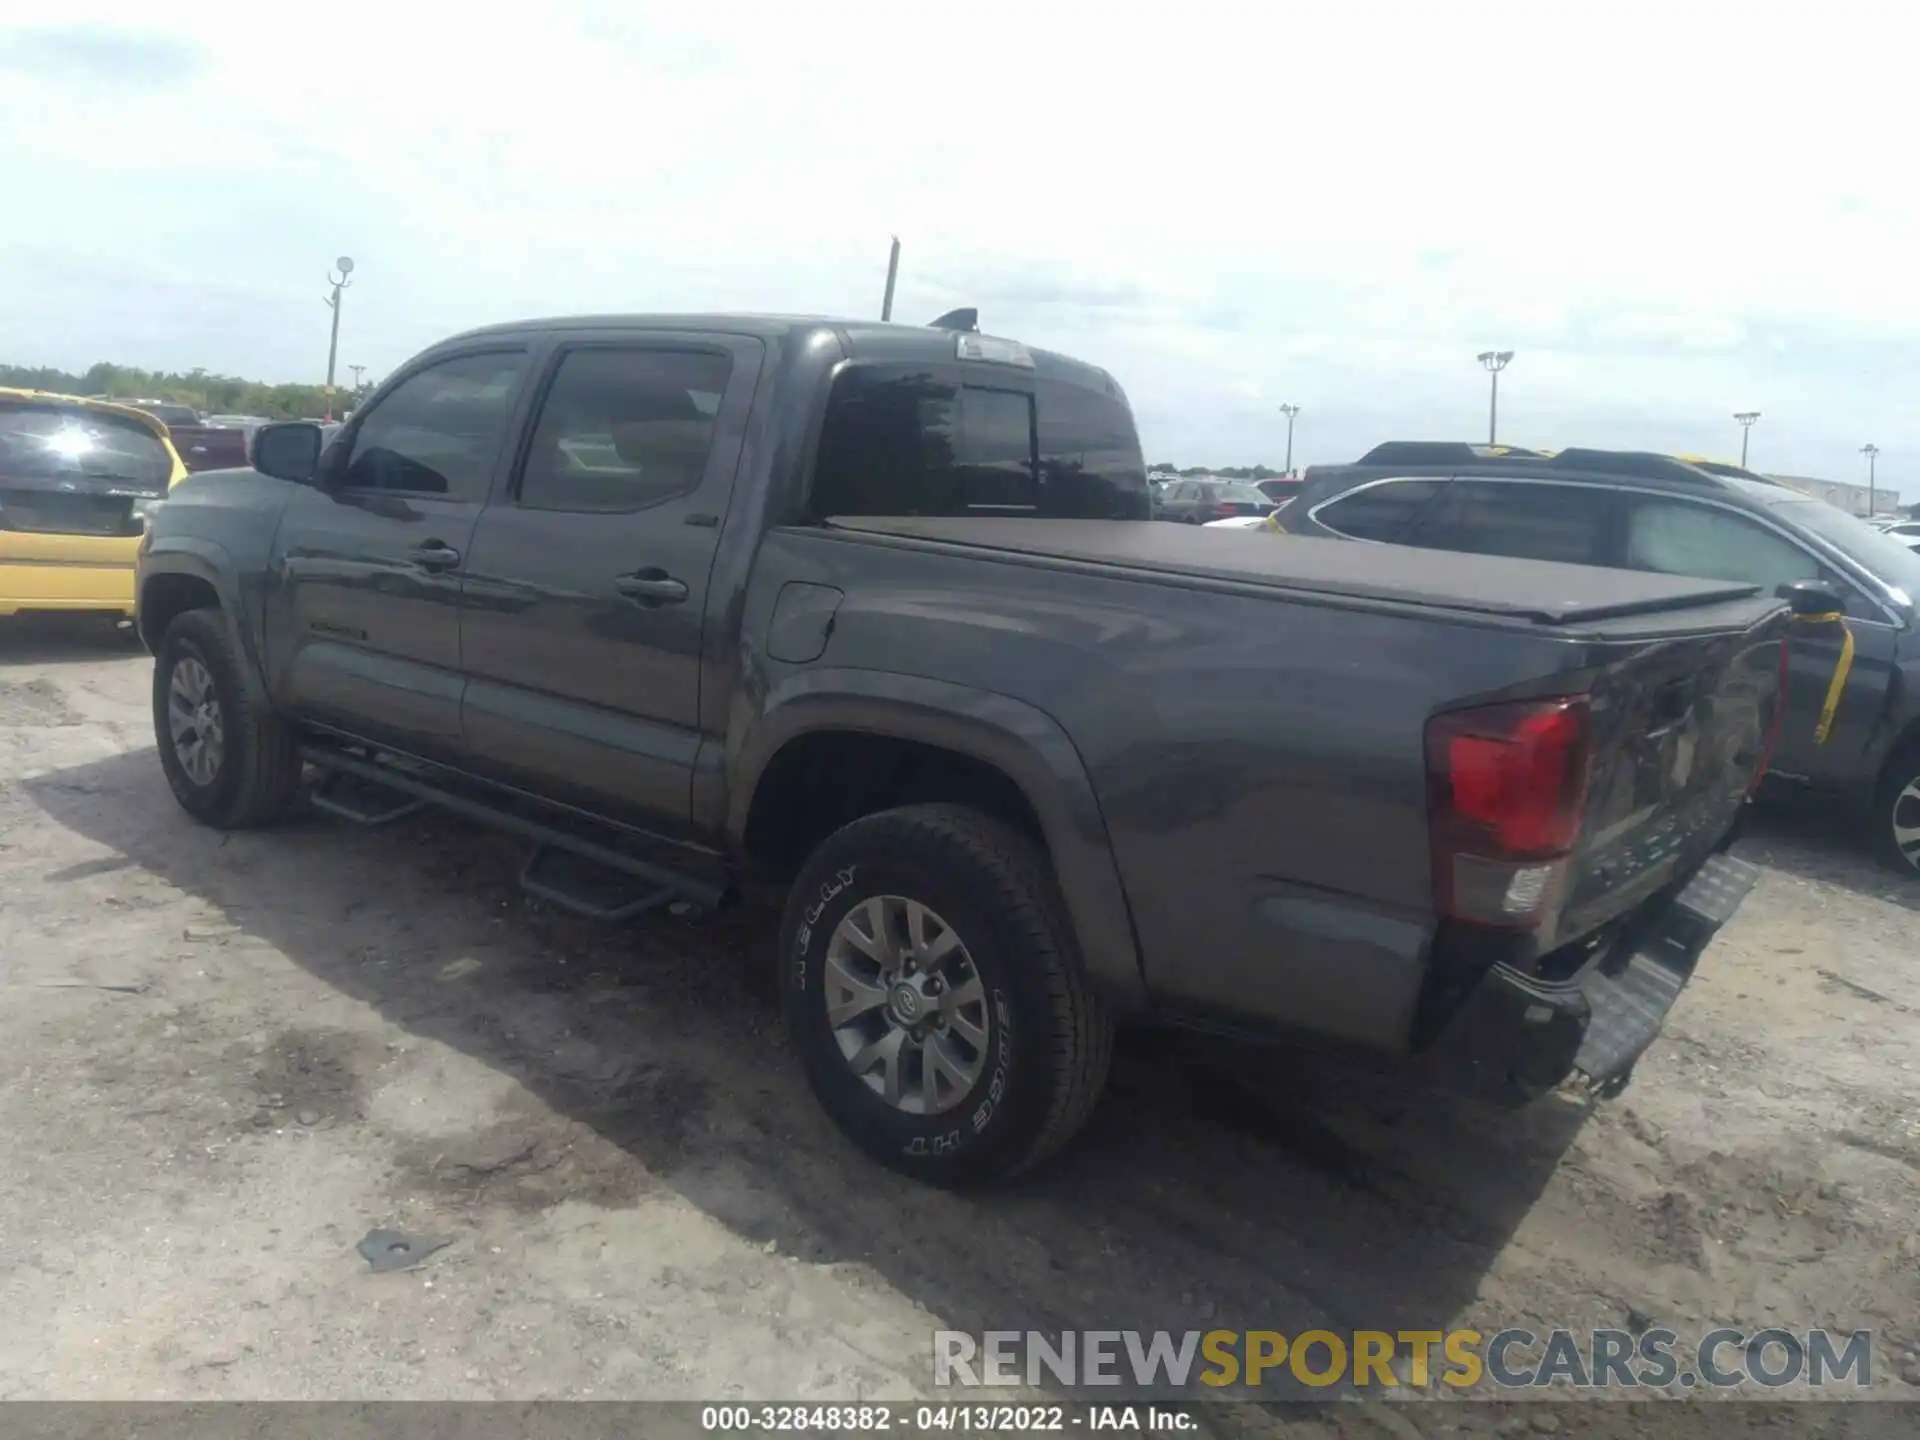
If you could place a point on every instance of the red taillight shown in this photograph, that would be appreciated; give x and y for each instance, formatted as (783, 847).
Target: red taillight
(1517, 772)
(1508, 788)
(1224, 509)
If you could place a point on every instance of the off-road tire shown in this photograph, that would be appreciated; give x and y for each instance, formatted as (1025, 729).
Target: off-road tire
(258, 777)
(1051, 1039)
(1902, 770)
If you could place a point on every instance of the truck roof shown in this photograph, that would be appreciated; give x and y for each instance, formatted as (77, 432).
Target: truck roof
(872, 340)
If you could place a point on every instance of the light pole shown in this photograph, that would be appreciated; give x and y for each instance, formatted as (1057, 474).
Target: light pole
(1871, 451)
(340, 282)
(1289, 411)
(358, 371)
(1746, 419)
(1495, 361)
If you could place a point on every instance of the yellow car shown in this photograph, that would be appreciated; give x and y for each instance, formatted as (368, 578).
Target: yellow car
(77, 481)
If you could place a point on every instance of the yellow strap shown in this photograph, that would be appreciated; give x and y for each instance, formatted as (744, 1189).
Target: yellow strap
(1840, 671)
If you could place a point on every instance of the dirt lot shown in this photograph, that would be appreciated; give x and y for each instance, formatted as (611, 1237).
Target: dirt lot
(228, 1057)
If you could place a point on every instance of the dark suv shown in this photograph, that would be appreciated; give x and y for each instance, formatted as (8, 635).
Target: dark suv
(1637, 511)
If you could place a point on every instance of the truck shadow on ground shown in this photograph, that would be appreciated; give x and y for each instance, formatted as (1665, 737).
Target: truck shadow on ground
(1214, 1189)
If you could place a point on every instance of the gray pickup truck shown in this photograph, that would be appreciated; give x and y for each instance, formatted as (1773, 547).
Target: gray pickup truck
(876, 610)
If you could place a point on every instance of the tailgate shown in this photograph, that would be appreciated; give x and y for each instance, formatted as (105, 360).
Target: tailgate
(1680, 733)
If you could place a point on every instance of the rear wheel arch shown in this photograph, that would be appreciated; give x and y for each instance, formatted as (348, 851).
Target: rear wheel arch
(935, 742)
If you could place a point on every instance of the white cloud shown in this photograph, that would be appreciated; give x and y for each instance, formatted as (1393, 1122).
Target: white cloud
(1669, 212)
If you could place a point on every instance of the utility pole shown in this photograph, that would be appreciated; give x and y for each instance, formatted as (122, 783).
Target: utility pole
(1872, 452)
(893, 273)
(339, 282)
(1289, 411)
(1746, 419)
(1495, 361)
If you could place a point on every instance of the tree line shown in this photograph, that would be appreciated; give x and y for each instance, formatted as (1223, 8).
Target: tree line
(208, 393)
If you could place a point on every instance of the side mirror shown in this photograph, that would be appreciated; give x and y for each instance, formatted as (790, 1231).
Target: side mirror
(290, 451)
(1811, 597)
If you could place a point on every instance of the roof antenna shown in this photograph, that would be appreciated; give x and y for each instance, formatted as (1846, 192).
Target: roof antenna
(893, 273)
(967, 317)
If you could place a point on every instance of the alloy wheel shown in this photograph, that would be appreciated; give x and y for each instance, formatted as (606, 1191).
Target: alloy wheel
(194, 720)
(906, 1004)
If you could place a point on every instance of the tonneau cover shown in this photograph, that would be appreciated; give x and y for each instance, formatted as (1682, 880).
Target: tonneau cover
(1546, 594)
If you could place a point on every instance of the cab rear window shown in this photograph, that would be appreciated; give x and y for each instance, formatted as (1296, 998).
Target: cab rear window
(902, 442)
(48, 445)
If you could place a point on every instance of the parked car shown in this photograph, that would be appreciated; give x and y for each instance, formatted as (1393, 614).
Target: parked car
(874, 610)
(1194, 502)
(77, 480)
(211, 447)
(1655, 513)
(202, 444)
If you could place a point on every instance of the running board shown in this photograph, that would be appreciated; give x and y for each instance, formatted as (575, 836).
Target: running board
(566, 870)
(362, 801)
(587, 887)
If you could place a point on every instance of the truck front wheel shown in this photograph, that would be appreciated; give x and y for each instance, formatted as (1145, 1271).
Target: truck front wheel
(934, 991)
(232, 763)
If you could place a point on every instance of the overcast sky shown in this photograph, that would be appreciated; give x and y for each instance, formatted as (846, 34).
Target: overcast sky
(1669, 213)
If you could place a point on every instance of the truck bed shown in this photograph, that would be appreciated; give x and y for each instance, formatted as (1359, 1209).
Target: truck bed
(1530, 591)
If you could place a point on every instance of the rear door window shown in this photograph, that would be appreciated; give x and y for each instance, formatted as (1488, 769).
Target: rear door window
(623, 429)
(1571, 524)
(1384, 510)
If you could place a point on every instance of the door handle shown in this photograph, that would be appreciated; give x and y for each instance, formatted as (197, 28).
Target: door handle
(433, 555)
(651, 586)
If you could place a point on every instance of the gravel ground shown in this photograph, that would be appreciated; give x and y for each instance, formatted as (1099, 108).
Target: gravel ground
(231, 1056)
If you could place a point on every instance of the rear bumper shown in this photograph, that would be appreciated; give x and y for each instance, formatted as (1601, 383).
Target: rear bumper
(66, 587)
(66, 572)
(1516, 1037)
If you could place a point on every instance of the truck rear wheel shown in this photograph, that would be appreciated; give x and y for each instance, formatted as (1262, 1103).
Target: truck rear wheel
(232, 762)
(934, 991)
